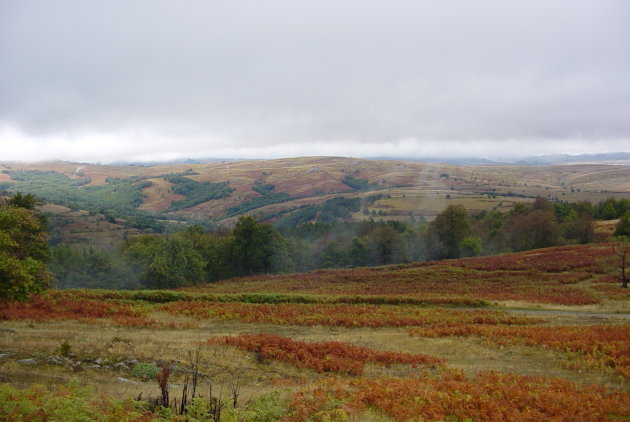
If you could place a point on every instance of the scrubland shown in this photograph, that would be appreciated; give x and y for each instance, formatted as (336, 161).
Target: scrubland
(533, 336)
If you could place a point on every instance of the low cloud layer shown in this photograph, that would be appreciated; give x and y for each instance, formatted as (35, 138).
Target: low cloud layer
(157, 80)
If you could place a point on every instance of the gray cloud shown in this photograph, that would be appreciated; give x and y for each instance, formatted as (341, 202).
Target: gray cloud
(150, 79)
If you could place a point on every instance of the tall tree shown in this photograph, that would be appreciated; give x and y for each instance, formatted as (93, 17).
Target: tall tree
(450, 228)
(167, 262)
(257, 248)
(623, 226)
(534, 229)
(23, 250)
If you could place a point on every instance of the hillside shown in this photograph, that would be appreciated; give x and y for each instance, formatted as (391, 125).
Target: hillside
(271, 188)
(582, 275)
(530, 333)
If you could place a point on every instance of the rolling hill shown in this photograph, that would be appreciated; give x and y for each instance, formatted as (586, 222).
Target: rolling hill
(219, 192)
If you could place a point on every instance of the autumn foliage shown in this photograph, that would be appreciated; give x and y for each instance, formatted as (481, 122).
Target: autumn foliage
(43, 309)
(330, 356)
(58, 307)
(341, 315)
(603, 347)
(487, 396)
(542, 276)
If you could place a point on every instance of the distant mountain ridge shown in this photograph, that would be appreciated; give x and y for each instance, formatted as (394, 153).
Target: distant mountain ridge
(463, 161)
(551, 159)
(535, 160)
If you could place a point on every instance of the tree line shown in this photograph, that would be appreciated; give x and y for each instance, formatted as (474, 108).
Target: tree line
(195, 255)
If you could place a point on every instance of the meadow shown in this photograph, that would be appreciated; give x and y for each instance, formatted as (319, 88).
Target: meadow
(537, 335)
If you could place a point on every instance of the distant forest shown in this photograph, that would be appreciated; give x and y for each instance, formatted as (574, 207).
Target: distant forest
(197, 255)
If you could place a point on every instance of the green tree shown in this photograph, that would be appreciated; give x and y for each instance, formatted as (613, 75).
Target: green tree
(450, 227)
(386, 245)
(334, 255)
(611, 209)
(471, 246)
(27, 201)
(167, 261)
(23, 251)
(257, 248)
(623, 227)
(358, 252)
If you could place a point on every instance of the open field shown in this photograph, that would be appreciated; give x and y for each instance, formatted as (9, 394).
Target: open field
(570, 275)
(430, 341)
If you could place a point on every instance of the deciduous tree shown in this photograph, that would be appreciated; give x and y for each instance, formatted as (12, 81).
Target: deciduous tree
(257, 248)
(450, 227)
(23, 250)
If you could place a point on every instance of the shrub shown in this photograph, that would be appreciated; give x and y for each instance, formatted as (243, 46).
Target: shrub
(64, 348)
(145, 371)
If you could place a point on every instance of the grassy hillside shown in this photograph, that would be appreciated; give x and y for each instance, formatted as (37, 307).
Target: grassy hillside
(432, 340)
(584, 275)
(409, 189)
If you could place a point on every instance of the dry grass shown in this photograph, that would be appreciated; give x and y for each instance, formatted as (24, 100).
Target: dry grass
(222, 364)
(159, 195)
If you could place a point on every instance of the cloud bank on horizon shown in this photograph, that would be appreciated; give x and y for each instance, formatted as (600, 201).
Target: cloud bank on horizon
(159, 80)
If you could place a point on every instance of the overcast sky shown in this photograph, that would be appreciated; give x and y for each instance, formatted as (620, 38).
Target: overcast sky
(114, 80)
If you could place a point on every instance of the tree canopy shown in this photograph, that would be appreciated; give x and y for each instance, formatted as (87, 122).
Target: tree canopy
(23, 249)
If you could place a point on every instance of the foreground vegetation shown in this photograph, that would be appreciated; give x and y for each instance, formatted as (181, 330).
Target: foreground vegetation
(411, 345)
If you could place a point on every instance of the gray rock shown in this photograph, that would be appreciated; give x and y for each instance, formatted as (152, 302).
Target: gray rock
(132, 362)
(126, 381)
(108, 367)
(121, 365)
(53, 359)
(95, 366)
(27, 361)
(175, 368)
(7, 330)
(4, 355)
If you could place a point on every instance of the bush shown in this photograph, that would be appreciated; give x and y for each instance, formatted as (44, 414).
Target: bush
(268, 408)
(145, 371)
(69, 403)
(65, 349)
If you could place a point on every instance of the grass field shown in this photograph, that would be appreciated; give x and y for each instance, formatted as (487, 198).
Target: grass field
(543, 334)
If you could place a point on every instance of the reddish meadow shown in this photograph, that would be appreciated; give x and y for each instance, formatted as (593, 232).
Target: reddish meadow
(342, 315)
(604, 347)
(329, 356)
(551, 276)
(341, 311)
(487, 396)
